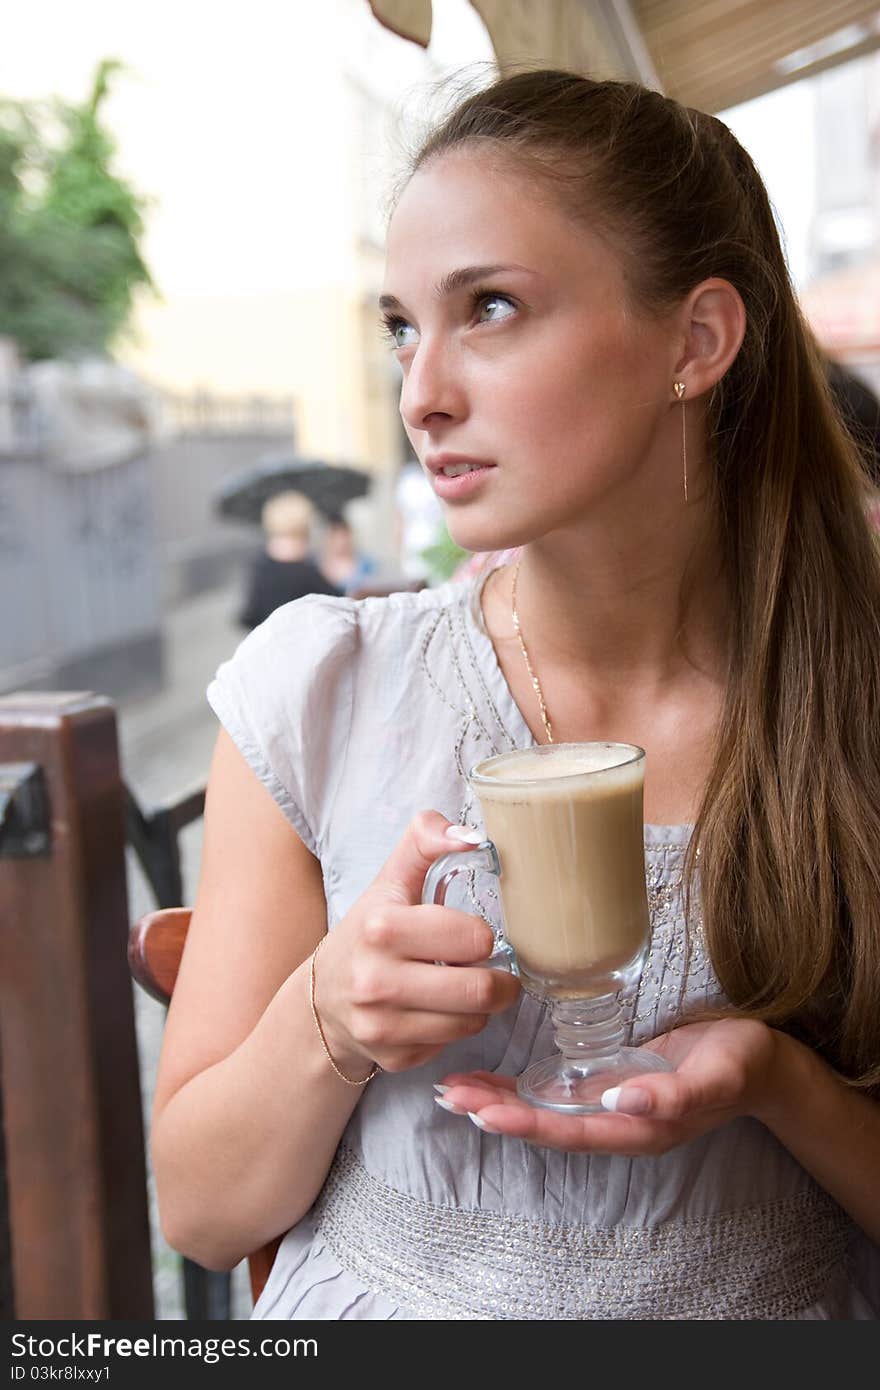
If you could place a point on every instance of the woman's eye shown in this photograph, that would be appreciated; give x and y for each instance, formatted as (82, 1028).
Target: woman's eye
(486, 301)
(390, 329)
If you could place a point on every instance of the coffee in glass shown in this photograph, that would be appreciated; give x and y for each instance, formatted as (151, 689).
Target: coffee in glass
(565, 835)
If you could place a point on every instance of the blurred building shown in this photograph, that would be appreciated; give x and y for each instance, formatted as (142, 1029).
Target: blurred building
(842, 296)
(79, 568)
(314, 332)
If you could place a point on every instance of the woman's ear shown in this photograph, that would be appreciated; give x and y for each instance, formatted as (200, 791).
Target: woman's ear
(713, 322)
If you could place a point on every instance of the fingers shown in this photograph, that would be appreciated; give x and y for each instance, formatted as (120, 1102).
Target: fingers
(468, 1098)
(660, 1095)
(498, 1110)
(402, 876)
(417, 1028)
(441, 989)
(506, 1083)
(648, 1114)
(429, 934)
(384, 989)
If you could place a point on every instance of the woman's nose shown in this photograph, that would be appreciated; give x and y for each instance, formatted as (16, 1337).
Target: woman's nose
(431, 386)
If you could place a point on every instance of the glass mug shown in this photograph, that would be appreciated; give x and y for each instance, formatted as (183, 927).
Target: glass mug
(566, 842)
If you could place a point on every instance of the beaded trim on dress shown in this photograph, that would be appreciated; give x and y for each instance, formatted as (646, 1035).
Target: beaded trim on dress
(765, 1262)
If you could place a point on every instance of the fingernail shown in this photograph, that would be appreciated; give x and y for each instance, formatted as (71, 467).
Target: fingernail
(441, 1090)
(447, 1105)
(464, 834)
(481, 1124)
(626, 1100)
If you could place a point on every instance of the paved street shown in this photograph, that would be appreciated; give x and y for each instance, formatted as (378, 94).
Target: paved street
(165, 747)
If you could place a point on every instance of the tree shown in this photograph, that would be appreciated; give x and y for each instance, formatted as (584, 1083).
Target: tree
(444, 556)
(70, 229)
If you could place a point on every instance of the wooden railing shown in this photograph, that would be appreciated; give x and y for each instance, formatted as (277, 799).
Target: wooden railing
(74, 1224)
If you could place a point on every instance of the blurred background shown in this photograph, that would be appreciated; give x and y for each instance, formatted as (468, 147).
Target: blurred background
(192, 210)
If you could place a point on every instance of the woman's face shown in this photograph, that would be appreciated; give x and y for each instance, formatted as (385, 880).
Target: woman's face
(540, 368)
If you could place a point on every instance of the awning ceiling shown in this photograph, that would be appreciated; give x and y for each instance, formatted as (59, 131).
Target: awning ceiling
(713, 54)
(718, 53)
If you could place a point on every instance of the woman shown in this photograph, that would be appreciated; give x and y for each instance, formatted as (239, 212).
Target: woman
(603, 365)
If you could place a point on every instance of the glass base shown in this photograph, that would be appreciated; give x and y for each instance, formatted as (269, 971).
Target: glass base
(575, 1088)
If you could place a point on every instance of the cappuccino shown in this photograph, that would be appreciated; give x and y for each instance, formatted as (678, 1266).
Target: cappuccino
(567, 822)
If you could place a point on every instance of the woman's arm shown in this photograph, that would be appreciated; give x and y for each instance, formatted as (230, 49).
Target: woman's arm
(724, 1070)
(247, 1114)
(831, 1129)
(248, 1111)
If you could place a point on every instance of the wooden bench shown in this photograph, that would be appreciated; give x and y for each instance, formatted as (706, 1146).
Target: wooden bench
(155, 947)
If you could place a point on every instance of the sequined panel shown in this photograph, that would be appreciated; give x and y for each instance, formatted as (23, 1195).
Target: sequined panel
(761, 1263)
(677, 976)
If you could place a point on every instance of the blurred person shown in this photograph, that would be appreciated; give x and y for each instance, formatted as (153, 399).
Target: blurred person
(284, 569)
(341, 561)
(604, 366)
(418, 516)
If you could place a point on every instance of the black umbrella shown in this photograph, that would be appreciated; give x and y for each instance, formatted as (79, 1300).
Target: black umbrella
(329, 486)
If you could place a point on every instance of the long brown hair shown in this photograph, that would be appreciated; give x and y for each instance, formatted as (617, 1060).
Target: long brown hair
(789, 827)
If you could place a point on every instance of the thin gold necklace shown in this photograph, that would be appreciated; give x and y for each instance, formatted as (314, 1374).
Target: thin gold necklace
(534, 679)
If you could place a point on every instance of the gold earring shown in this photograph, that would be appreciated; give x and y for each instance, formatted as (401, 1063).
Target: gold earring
(679, 388)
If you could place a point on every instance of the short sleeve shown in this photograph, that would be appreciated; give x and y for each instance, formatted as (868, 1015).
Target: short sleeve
(285, 699)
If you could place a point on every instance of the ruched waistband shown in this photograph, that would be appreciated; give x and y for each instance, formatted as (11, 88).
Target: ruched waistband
(764, 1262)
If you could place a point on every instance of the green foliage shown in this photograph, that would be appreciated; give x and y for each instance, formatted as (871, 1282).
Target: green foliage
(69, 228)
(443, 557)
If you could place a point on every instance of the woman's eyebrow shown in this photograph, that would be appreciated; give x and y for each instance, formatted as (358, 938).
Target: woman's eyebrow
(457, 280)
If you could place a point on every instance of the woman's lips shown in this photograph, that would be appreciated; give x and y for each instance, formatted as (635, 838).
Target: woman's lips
(463, 484)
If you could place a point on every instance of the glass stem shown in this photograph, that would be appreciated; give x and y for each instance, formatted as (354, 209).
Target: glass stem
(586, 1030)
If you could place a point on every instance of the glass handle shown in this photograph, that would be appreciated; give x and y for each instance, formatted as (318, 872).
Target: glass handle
(444, 870)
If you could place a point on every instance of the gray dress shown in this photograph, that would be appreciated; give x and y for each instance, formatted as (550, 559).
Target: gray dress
(356, 715)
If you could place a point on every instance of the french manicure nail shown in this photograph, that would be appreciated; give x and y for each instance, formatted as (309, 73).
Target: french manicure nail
(626, 1100)
(481, 1124)
(447, 1105)
(441, 1090)
(464, 834)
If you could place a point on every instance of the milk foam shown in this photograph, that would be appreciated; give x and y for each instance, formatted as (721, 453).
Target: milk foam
(617, 761)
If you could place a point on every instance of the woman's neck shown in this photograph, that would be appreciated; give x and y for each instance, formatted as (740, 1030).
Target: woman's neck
(622, 613)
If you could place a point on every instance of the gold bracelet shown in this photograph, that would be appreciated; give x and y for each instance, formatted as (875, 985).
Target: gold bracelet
(341, 1074)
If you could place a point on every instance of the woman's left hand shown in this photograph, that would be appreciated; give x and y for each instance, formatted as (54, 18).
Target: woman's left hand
(723, 1070)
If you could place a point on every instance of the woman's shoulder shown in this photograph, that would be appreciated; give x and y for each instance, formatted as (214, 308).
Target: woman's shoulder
(287, 694)
(317, 643)
(363, 626)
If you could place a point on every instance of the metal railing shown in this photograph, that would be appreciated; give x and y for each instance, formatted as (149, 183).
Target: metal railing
(207, 413)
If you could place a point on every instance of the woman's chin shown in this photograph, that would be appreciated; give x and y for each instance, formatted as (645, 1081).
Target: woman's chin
(480, 540)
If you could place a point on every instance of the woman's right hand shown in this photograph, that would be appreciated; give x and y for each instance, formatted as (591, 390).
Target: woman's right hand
(380, 995)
